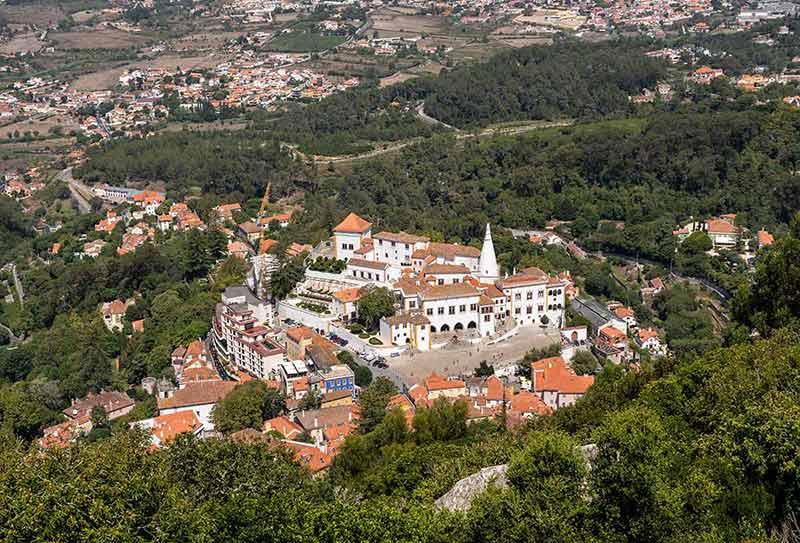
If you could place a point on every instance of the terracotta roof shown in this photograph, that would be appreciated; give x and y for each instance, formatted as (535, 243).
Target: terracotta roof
(196, 348)
(111, 401)
(526, 402)
(198, 394)
(347, 295)
(437, 269)
(309, 455)
(138, 326)
(448, 251)
(436, 382)
(265, 245)
(284, 426)
(249, 227)
(764, 238)
(647, 333)
(528, 276)
(613, 333)
(401, 237)
(623, 312)
(361, 263)
(552, 374)
(327, 417)
(168, 427)
(353, 224)
(117, 307)
(718, 226)
(299, 333)
(443, 292)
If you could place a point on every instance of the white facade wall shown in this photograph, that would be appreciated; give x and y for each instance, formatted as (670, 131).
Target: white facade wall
(345, 243)
(364, 273)
(527, 304)
(452, 311)
(395, 253)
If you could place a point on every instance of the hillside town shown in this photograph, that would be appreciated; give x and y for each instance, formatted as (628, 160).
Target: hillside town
(446, 298)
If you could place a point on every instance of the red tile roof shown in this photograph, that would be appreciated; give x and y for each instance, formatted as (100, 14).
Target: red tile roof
(353, 224)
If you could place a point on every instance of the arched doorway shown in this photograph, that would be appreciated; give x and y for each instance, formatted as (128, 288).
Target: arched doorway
(472, 325)
(458, 326)
(445, 328)
(433, 329)
(574, 337)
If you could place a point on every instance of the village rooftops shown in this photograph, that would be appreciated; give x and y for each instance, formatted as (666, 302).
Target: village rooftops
(552, 374)
(198, 394)
(353, 224)
(299, 333)
(407, 317)
(444, 292)
(720, 226)
(315, 419)
(764, 238)
(111, 401)
(347, 295)
(444, 269)
(436, 382)
(528, 276)
(448, 251)
(361, 263)
(400, 237)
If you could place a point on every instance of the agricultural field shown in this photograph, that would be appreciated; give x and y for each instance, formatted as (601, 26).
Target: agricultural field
(21, 43)
(300, 42)
(97, 39)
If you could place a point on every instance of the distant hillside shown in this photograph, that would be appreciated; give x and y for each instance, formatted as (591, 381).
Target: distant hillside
(566, 80)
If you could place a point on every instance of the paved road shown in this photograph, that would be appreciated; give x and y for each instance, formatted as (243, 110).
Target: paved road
(397, 146)
(81, 194)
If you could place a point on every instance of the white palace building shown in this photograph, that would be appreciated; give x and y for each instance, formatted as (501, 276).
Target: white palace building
(445, 287)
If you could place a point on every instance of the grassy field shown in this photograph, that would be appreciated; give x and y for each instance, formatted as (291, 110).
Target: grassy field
(300, 42)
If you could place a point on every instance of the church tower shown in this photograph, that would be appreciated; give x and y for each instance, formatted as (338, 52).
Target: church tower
(489, 270)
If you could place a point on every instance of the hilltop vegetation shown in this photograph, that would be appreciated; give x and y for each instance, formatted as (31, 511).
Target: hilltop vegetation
(568, 79)
(573, 80)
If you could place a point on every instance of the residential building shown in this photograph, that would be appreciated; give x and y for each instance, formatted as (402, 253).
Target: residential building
(348, 236)
(240, 336)
(165, 428)
(534, 298)
(649, 340)
(199, 398)
(556, 383)
(116, 404)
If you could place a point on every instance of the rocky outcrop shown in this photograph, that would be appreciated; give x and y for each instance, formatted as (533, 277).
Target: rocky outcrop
(460, 497)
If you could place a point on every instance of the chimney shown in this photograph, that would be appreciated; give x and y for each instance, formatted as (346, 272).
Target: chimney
(349, 416)
(316, 422)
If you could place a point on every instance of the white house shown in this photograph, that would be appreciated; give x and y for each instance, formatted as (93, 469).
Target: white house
(349, 235)
(533, 295)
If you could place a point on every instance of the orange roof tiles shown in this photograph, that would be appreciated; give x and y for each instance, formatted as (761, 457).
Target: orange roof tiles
(552, 374)
(436, 382)
(284, 426)
(299, 333)
(168, 427)
(764, 238)
(347, 295)
(265, 245)
(353, 224)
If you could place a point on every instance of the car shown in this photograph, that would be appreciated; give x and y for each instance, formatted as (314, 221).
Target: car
(395, 354)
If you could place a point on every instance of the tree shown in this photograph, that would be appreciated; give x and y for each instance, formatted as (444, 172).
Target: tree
(772, 300)
(584, 363)
(247, 406)
(373, 402)
(443, 421)
(373, 306)
(697, 243)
